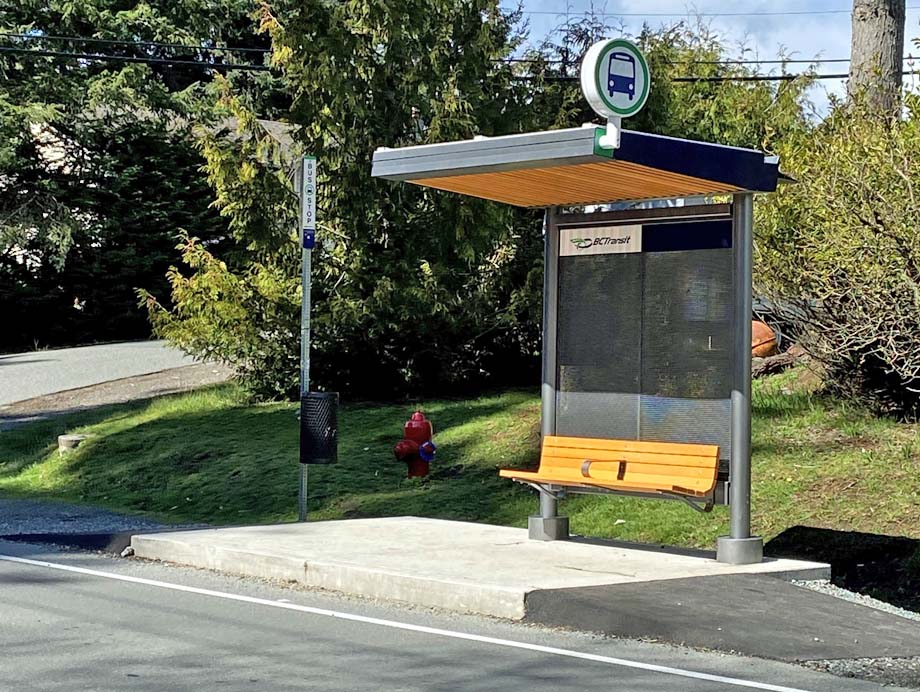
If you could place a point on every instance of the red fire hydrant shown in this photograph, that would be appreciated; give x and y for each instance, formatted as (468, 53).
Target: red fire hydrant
(416, 448)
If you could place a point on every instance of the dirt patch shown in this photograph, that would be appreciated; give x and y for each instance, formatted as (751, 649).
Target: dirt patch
(821, 440)
(830, 487)
(530, 416)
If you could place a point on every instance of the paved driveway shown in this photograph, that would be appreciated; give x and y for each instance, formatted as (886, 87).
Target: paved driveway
(28, 375)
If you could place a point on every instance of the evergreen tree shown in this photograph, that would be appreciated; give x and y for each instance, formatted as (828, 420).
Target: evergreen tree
(98, 169)
(415, 289)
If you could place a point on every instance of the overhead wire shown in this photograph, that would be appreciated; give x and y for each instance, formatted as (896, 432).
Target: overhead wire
(693, 78)
(229, 49)
(119, 42)
(770, 61)
(106, 57)
(686, 13)
(265, 68)
(134, 59)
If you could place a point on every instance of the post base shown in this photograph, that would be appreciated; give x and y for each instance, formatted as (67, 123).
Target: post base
(547, 528)
(739, 551)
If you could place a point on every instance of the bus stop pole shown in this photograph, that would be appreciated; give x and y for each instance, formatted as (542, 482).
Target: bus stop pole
(740, 547)
(306, 260)
(548, 525)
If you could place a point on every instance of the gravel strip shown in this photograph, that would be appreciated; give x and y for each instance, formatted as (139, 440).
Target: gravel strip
(824, 586)
(901, 672)
(19, 517)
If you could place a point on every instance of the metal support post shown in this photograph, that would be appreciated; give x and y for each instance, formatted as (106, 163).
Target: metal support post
(302, 493)
(305, 177)
(740, 547)
(548, 525)
(550, 311)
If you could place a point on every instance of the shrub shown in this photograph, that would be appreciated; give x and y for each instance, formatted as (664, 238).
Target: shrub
(839, 253)
(243, 307)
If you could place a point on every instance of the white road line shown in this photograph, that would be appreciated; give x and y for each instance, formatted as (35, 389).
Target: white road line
(596, 658)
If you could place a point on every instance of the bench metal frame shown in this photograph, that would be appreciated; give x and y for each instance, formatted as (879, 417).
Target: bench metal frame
(558, 492)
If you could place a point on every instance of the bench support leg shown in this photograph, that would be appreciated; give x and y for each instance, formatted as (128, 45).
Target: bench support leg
(548, 525)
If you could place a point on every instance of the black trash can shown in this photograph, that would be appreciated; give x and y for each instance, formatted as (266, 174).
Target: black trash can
(319, 428)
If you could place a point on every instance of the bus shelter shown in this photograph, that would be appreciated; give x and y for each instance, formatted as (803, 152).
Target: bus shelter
(647, 302)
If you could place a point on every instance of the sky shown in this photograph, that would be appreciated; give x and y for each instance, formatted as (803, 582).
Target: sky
(803, 29)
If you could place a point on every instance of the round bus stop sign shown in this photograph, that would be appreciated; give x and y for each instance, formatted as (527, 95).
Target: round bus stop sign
(615, 78)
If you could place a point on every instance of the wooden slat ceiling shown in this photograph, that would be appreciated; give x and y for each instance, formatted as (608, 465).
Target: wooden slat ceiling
(586, 183)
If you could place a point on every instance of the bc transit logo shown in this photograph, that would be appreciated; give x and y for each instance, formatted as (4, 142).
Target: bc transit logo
(585, 243)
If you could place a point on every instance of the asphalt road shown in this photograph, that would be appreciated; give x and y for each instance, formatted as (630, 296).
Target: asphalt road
(28, 375)
(90, 622)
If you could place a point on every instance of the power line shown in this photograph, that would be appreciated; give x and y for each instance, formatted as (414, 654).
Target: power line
(761, 78)
(772, 78)
(117, 42)
(771, 61)
(769, 13)
(222, 49)
(739, 78)
(135, 59)
(265, 68)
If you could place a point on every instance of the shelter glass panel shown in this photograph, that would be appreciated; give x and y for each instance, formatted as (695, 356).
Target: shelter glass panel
(644, 333)
(598, 345)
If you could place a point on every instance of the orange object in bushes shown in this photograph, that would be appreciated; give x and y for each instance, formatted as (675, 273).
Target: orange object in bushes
(763, 340)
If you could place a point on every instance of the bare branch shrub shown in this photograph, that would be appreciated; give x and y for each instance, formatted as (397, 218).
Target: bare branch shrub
(838, 253)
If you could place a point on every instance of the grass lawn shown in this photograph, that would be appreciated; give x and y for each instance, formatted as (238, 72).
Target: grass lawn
(208, 456)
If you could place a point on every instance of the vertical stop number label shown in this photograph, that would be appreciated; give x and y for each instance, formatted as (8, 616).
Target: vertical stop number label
(308, 204)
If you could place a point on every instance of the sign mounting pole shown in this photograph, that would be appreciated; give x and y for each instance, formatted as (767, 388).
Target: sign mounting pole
(306, 179)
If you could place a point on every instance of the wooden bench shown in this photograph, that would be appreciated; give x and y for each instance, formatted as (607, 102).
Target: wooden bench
(666, 469)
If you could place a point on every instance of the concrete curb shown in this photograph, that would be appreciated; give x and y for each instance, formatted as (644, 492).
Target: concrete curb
(347, 579)
(462, 567)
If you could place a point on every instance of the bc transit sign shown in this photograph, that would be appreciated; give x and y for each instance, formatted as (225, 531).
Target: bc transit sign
(615, 78)
(611, 240)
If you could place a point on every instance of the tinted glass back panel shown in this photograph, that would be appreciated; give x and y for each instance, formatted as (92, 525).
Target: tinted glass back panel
(644, 333)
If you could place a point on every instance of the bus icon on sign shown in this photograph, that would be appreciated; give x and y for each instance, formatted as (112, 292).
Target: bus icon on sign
(621, 75)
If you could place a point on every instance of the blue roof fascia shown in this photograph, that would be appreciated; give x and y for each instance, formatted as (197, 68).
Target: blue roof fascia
(745, 169)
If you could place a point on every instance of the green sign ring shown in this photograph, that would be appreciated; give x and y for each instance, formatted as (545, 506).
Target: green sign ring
(641, 65)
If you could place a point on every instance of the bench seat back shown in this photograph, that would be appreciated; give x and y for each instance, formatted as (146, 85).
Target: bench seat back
(677, 468)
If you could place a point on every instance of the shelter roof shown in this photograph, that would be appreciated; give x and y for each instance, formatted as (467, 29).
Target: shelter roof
(569, 168)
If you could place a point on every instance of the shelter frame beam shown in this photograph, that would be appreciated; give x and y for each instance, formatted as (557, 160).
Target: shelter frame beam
(740, 547)
(548, 525)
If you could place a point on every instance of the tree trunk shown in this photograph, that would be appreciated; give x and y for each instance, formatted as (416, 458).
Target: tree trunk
(877, 49)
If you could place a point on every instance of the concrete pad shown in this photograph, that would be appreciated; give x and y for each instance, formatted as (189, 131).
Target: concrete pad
(472, 568)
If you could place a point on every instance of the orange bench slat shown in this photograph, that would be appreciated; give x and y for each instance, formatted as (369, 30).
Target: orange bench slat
(666, 460)
(689, 469)
(638, 485)
(600, 468)
(680, 448)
